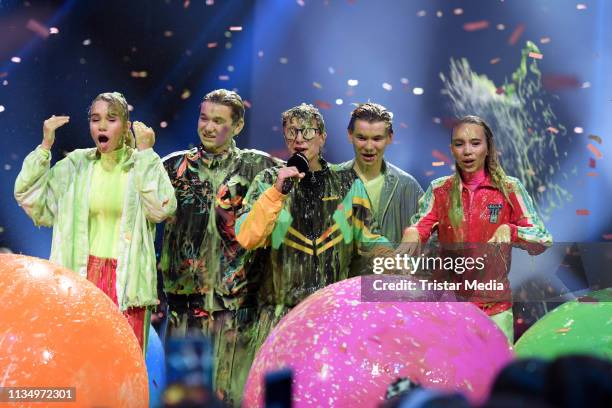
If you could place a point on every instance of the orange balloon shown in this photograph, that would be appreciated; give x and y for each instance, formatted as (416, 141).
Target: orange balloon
(58, 330)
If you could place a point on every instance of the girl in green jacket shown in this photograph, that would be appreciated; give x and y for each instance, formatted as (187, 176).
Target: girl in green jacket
(103, 204)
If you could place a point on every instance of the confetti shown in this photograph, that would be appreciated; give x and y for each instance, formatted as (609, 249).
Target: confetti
(16, 60)
(585, 85)
(87, 42)
(352, 82)
(592, 174)
(563, 330)
(323, 104)
(247, 104)
(437, 163)
(418, 91)
(437, 120)
(5, 82)
(283, 60)
(439, 14)
(403, 125)
(581, 6)
(458, 11)
(300, 3)
(224, 77)
(404, 81)
(230, 68)
(582, 212)
(595, 151)
(339, 101)
(2, 108)
(3, 74)
(212, 45)
(536, 55)
(476, 25)
(210, 2)
(235, 28)
(186, 3)
(592, 163)
(228, 45)
(331, 70)
(53, 30)
(139, 74)
(228, 34)
(38, 28)
(260, 54)
(421, 13)
(82, 61)
(317, 85)
(130, 108)
(440, 156)
(500, 27)
(386, 86)
(544, 40)
(595, 138)
(163, 124)
(578, 130)
(430, 173)
(168, 33)
(542, 189)
(495, 60)
(552, 130)
(607, 237)
(554, 82)
(186, 94)
(516, 34)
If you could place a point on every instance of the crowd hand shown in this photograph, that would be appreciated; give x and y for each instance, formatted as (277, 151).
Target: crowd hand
(49, 127)
(502, 235)
(145, 136)
(286, 173)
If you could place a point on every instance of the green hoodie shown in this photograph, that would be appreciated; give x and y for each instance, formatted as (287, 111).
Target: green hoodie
(58, 197)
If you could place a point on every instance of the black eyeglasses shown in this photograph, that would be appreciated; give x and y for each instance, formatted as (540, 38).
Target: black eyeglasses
(307, 133)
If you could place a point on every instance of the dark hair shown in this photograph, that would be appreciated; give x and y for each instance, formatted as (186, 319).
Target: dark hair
(371, 112)
(227, 98)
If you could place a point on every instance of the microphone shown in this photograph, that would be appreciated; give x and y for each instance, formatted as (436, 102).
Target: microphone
(301, 162)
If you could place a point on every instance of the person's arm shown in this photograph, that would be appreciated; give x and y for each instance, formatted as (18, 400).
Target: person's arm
(526, 227)
(151, 179)
(261, 207)
(424, 221)
(38, 187)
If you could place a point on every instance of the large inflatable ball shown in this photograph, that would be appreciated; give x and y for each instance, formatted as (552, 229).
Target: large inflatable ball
(59, 330)
(156, 369)
(345, 352)
(582, 326)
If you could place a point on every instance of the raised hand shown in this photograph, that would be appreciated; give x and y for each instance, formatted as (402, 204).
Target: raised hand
(49, 127)
(145, 136)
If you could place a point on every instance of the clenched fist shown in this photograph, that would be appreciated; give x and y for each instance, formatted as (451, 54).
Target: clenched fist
(145, 136)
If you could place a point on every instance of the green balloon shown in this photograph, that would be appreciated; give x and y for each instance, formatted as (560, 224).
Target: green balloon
(582, 326)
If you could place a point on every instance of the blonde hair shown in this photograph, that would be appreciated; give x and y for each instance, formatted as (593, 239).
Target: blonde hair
(119, 105)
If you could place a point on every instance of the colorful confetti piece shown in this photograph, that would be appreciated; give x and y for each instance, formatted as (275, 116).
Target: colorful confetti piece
(583, 212)
(476, 25)
(38, 28)
(595, 138)
(516, 34)
(595, 151)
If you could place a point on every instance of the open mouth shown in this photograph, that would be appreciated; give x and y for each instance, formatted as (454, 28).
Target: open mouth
(468, 163)
(103, 139)
(300, 149)
(368, 156)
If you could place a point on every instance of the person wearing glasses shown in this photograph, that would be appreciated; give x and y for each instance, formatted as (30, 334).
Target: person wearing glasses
(206, 279)
(313, 230)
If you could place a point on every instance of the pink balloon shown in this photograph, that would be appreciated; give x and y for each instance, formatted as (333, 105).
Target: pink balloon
(344, 352)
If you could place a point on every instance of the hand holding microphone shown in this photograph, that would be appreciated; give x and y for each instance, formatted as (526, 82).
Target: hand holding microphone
(296, 169)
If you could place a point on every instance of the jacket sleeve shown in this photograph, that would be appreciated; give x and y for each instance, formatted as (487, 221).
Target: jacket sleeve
(261, 208)
(154, 186)
(528, 230)
(39, 187)
(426, 218)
